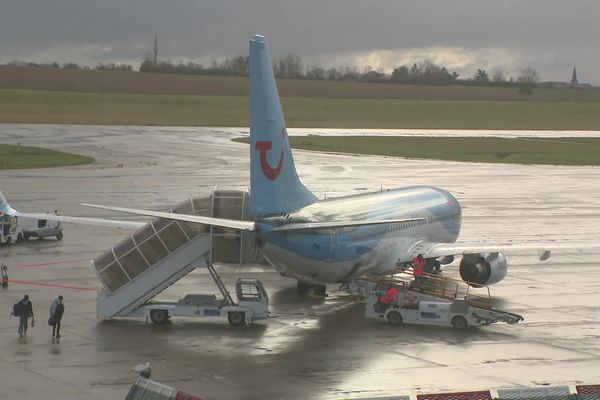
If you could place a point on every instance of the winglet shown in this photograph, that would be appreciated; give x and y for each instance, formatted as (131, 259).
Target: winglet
(275, 187)
(5, 208)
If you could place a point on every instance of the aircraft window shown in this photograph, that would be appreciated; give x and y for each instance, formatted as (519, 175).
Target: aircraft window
(153, 250)
(173, 237)
(133, 263)
(113, 277)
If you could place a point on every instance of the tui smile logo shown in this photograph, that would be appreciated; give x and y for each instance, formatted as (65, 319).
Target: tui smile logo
(270, 172)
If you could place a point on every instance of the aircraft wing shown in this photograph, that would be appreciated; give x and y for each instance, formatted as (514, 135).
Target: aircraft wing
(339, 224)
(226, 223)
(6, 209)
(435, 250)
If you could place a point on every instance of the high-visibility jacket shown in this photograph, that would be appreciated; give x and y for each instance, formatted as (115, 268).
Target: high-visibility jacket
(389, 297)
(418, 266)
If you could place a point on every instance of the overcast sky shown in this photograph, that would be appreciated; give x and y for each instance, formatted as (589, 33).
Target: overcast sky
(551, 36)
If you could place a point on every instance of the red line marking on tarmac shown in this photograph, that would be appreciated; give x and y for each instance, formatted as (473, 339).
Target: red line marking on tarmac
(51, 263)
(51, 285)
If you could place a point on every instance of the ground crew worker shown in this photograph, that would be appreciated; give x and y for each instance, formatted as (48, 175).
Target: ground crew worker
(418, 268)
(386, 300)
(389, 297)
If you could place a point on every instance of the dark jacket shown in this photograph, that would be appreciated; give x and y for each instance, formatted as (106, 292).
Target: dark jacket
(27, 307)
(58, 313)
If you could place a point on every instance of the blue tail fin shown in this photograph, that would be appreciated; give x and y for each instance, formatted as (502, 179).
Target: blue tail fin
(274, 184)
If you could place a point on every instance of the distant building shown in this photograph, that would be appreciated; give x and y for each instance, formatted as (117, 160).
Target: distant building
(573, 85)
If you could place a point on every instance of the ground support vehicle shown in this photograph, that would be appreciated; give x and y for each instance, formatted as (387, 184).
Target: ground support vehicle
(435, 301)
(44, 229)
(252, 304)
(10, 232)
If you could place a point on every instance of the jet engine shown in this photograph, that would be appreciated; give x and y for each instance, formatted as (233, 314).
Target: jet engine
(483, 268)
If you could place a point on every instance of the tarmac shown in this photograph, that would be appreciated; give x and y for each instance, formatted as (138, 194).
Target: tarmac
(312, 348)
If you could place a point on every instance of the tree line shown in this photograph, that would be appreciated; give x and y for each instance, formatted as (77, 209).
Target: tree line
(72, 65)
(291, 66)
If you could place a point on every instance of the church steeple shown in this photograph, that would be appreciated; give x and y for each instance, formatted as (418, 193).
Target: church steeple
(574, 77)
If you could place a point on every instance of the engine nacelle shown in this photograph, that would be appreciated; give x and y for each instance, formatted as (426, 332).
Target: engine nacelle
(483, 268)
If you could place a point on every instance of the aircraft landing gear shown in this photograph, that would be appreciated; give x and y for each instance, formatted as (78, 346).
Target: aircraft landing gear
(304, 289)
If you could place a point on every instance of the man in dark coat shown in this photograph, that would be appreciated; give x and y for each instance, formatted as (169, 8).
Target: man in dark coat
(57, 308)
(25, 312)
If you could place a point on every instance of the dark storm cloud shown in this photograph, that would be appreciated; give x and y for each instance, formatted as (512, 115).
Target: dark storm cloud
(554, 34)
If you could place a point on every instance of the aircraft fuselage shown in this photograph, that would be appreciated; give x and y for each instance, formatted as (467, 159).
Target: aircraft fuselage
(334, 254)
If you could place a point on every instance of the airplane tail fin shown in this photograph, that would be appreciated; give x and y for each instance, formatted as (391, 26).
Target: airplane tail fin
(274, 184)
(5, 208)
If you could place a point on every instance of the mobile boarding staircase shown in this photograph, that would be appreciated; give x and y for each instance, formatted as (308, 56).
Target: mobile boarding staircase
(163, 251)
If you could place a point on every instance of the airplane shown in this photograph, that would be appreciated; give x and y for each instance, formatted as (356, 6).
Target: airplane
(334, 240)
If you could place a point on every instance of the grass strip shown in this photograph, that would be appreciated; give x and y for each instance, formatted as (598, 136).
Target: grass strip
(33, 106)
(563, 151)
(17, 157)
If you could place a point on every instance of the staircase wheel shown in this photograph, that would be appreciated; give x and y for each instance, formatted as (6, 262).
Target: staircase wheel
(459, 322)
(159, 316)
(236, 318)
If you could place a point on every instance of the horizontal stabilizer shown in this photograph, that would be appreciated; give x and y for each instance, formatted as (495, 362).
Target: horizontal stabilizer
(308, 226)
(225, 223)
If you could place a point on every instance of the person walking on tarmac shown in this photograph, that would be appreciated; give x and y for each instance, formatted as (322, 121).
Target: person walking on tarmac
(57, 308)
(418, 269)
(24, 310)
